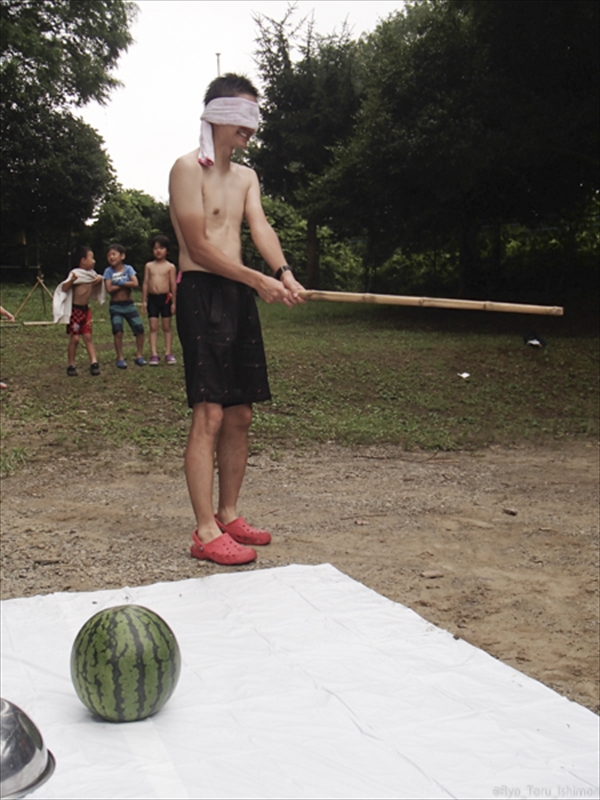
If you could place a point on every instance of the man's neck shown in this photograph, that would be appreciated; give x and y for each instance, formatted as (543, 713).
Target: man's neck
(223, 152)
(223, 159)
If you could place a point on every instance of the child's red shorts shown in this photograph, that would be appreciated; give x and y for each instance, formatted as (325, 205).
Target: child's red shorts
(80, 322)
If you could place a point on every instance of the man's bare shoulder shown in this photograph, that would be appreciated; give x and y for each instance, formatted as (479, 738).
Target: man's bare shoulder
(243, 172)
(187, 163)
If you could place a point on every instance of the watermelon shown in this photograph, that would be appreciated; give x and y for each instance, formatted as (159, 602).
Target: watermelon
(125, 663)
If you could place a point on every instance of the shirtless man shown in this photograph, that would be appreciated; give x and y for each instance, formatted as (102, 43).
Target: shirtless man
(217, 319)
(158, 298)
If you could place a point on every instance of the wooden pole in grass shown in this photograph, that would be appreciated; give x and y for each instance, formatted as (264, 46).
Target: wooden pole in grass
(430, 302)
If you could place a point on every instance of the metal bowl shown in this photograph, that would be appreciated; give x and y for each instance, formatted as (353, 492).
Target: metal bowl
(24, 761)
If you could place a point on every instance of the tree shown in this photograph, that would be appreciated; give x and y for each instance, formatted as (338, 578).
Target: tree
(308, 107)
(52, 179)
(55, 54)
(57, 171)
(61, 52)
(474, 113)
(131, 218)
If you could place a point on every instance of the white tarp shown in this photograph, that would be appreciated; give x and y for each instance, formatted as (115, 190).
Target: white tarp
(298, 682)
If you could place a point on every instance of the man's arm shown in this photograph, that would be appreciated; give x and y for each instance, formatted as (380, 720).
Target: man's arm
(187, 208)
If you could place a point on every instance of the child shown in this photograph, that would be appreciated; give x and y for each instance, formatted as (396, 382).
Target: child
(71, 304)
(119, 279)
(158, 298)
(10, 318)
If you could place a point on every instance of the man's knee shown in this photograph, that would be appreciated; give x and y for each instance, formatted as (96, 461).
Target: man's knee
(238, 416)
(207, 419)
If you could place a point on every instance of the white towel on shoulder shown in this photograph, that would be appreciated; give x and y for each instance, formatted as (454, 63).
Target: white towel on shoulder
(62, 302)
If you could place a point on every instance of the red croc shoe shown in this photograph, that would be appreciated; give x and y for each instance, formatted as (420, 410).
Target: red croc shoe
(222, 550)
(244, 533)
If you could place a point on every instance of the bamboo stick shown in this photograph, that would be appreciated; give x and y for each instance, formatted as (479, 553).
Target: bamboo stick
(430, 302)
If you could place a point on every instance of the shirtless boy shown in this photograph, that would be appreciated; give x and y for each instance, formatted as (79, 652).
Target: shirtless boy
(158, 298)
(80, 322)
(119, 279)
(217, 318)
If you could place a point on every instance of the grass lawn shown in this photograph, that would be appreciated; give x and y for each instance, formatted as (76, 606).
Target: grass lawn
(344, 373)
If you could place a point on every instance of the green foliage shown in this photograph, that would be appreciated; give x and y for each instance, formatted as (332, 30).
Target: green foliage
(54, 172)
(466, 123)
(341, 266)
(60, 52)
(55, 54)
(132, 218)
(428, 272)
(291, 229)
(308, 103)
(546, 263)
(308, 106)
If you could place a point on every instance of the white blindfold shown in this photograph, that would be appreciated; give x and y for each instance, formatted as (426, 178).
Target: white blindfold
(224, 111)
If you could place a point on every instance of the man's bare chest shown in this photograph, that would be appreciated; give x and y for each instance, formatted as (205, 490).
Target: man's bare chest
(223, 203)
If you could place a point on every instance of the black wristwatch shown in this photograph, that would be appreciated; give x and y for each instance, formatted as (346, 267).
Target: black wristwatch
(281, 270)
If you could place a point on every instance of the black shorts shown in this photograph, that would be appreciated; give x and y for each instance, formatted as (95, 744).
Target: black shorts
(159, 305)
(219, 330)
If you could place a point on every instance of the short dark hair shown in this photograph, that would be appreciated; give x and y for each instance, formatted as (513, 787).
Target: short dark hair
(118, 247)
(230, 85)
(79, 253)
(163, 241)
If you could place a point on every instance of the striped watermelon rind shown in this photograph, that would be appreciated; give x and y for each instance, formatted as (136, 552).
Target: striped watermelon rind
(125, 663)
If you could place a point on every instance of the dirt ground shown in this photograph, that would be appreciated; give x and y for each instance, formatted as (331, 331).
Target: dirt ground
(499, 547)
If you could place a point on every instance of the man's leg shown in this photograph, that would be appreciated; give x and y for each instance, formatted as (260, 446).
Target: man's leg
(207, 419)
(232, 457)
